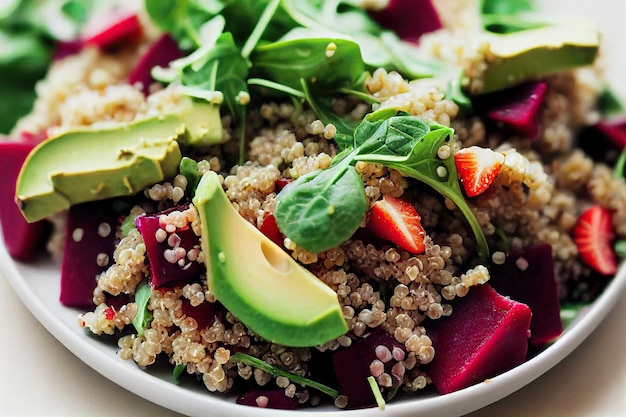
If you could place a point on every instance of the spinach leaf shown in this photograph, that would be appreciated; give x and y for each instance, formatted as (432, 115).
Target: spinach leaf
(189, 168)
(324, 208)
(177, 372)
(308, 210)
(143, 317)
(423, 164)
(510, 16)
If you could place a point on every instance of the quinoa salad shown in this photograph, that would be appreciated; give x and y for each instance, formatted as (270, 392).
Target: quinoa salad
(310, 203)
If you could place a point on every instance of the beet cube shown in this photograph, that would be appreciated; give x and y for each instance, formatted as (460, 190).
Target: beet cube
(353, 366)
(204, 314)
(487, 334)
(409, 19)
(89, 245)
(528, 277)
(517, 109)
(170, 253)
(20, 237)
(161, 53)
(268, 399)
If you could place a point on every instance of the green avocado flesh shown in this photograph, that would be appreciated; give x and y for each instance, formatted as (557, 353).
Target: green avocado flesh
(532, 53)
(257, 281)
(90, 164)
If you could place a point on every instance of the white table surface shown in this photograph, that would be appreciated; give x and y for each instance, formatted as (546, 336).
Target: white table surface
(40, 377)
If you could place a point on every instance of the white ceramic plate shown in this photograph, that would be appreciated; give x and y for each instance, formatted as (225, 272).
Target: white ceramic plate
(37, 285)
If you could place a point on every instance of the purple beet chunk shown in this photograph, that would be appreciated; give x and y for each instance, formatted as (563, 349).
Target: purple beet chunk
(161, 53)
(614, 130)
(204, 314)
(89, 245)
(352, 367)
(517, 109)
(528, 277)
(169, 259)
(268, 399)
(487, 334)
(409, 19)
(20, 237)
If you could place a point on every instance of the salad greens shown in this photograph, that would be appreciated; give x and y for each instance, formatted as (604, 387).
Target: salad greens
(322, 209)
(275, 372)
(143, 317)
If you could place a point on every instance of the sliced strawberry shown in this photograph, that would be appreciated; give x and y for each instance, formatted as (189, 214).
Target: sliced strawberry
(269, 228)
(593, 234)
(397, 221)
(477, 168)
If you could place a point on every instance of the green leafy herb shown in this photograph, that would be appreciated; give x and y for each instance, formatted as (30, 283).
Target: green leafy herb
(620, 165)
(128, 225)
(276, 372)
(510, 16)
(143, 317)
(380, 401)
(620, 248)
(322, 209)
(189, 168)
(177, 372)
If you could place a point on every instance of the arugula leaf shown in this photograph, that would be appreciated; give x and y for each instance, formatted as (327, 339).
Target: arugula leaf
(276, 372)
(189, 168)
(143, 317)
(324, 208)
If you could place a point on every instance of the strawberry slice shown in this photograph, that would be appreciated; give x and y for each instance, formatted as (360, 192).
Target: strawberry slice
(593, 234)
(477, 168)
(397, 221)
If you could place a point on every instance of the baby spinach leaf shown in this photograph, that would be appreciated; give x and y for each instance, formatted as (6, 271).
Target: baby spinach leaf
(423, 163)
(177, 372)
(143, 317)
(323, 209)
(189, 168)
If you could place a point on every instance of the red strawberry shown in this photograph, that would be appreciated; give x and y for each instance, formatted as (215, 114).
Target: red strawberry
(477, 168)
(269, 228)
(593, 234)
(397, 221)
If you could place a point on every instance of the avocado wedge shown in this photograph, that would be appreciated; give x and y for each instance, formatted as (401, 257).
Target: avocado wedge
(532, 53)
(90, 164)
(257, 281)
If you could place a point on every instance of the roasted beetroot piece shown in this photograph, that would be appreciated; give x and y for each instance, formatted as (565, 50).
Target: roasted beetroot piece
(20, 237)
(409, 19)
(163, 51)
(172, 251)
(516, 110)
(528, 277)
(89, 245)
(374, 356)
(119, 29)
(204, 313)
(487, 334)
(614, 130)
(268, 399)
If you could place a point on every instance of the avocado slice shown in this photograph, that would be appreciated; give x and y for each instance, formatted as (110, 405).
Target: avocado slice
(257, 281)
(91, 164)
(529, 54)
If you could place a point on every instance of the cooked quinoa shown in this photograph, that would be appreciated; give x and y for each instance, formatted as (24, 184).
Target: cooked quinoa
(536, 198)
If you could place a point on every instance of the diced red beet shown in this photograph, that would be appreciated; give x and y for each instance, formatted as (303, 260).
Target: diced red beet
(614, 130)
(281, 183)
(409, 19)
(204, 314)
(528, 277)
(160, 53)
(21, 238)
(487, 334)
(122, 29)
(275, 399)
(269, 228)
(171, 259)
(64, 49)
(352, 367)
(89, 245)
(517, 109)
